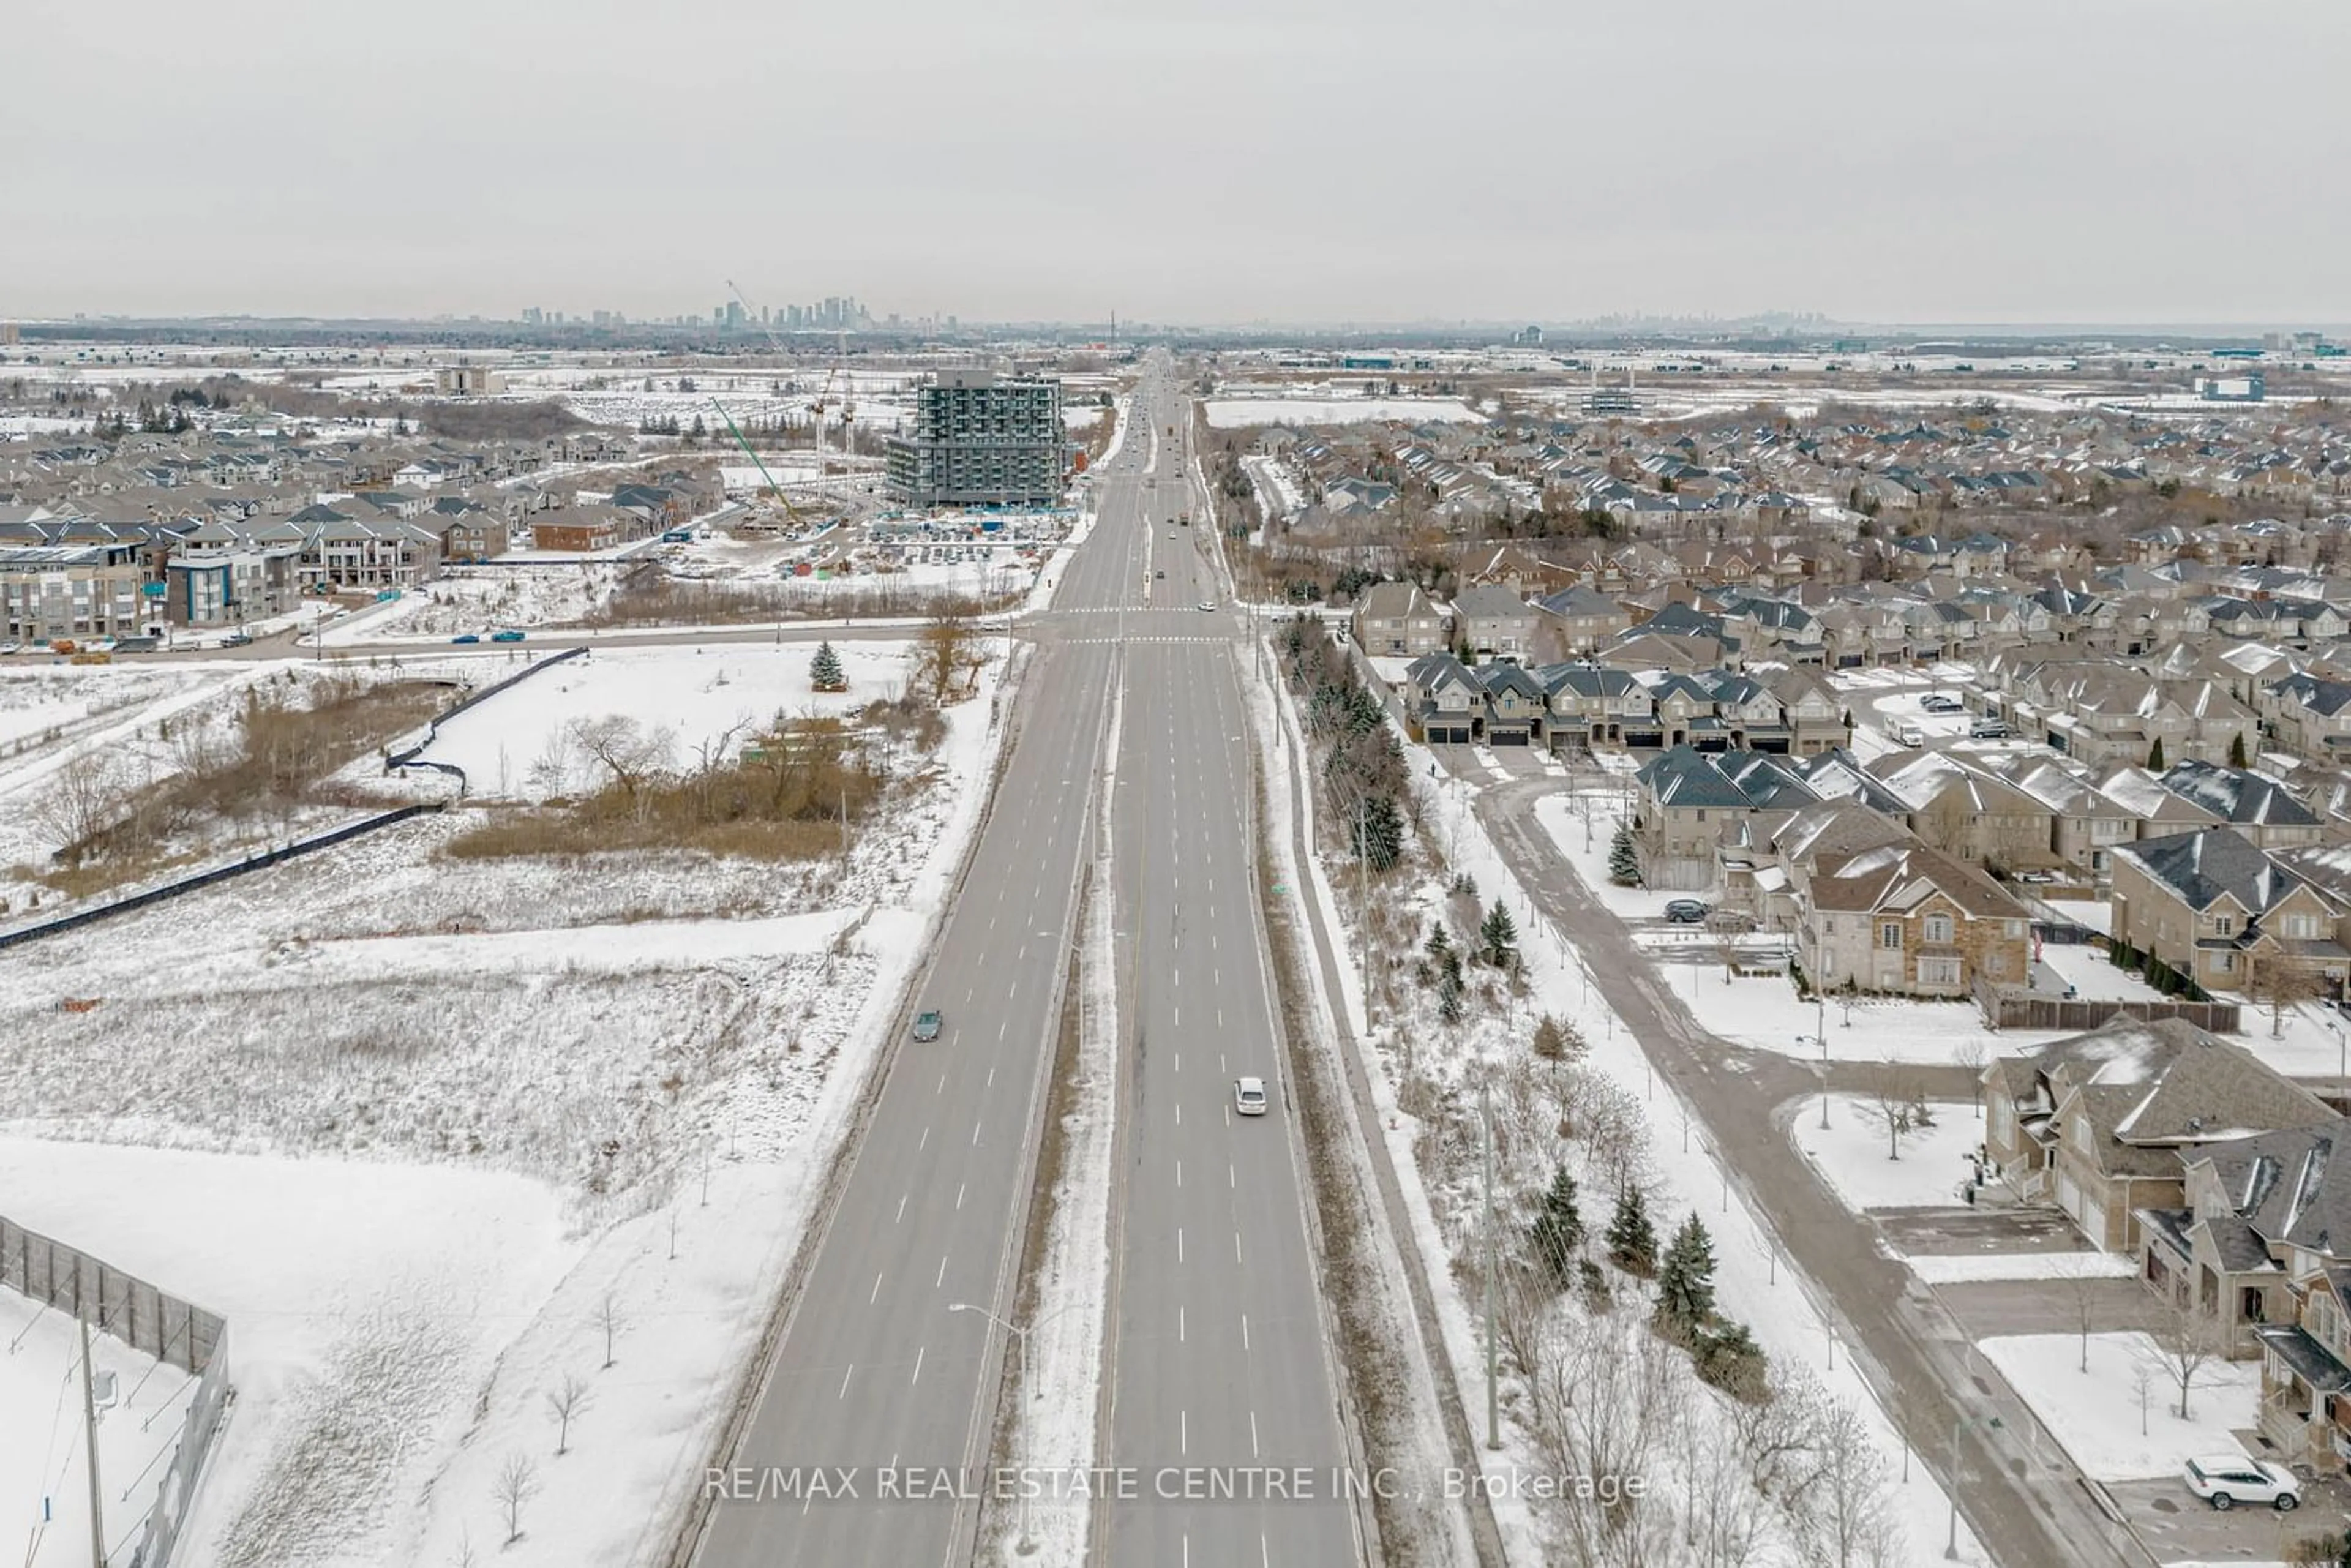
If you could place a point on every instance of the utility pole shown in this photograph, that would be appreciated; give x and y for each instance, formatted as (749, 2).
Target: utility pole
(89, 1435)
(1363, 901)
(1951, 1492)
(1493, 1380)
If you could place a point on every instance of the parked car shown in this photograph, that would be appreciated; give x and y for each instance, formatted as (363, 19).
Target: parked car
(2224, 1481)
(506, 636)
(927, 1025)
(1936, 702)
(1685, 912)
(1989, 729)
(1248, 1096)
(463, 637)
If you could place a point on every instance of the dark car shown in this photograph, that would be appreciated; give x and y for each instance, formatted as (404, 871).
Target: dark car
(506, 636)
(465, 637)
(927, 1025)
(1685, 912)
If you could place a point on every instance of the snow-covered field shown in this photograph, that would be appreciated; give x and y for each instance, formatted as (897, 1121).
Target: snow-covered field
(1233, 413)
(1854, 1154)
(516, 746)
(419, 1120)
(2097, 1415)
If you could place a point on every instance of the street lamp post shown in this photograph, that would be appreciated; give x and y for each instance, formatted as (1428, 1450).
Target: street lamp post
(1027, 1541)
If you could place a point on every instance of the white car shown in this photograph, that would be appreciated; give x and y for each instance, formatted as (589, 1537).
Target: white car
(2224, 1481)
(1248, 1096)
(1208, 604)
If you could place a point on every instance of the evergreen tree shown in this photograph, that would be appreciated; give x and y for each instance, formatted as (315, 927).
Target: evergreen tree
(2154, 756)
(1383, 836)
(1558, 1230)
(1451, 988)
(1686, 1283)
(1557, 1041)
(1497, 937)
(1624, 863)
(824, 671)
(2236, 750)
(1732, 1359)
(1631, 1239)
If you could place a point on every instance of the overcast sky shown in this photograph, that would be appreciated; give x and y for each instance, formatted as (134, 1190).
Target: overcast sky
(1189, 160)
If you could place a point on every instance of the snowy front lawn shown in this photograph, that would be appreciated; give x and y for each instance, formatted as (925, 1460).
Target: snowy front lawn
(1764, 1012)
(2098, 1417)
(1585, 847)
(1853, 1153)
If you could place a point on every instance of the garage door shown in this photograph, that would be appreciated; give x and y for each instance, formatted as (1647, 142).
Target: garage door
(2073, 1200)
(1510, 737)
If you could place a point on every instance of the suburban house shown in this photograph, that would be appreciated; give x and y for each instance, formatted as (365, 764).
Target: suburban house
(2254, 804)
(575, 530)
(1396, 620)
(1687, 797)
(1493, 620)
(2212, 905)
(1584, 619)
(1909, 920)
(2253, 1251)
(1443, 703)
(2105, 1124)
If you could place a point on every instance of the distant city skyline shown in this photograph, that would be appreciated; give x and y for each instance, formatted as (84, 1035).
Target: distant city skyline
(1213, 162)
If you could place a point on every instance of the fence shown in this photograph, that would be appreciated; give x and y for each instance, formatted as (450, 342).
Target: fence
(432, 725)
(2013, 1007)
(149, 1320)
(177, 1492)
(216, 874)
(132, 1310)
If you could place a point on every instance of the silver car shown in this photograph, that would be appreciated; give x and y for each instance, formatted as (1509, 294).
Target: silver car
(1248, 1096)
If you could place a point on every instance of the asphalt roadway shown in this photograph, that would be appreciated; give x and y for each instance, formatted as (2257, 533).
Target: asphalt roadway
(1216, 1344)
(1222, 1390)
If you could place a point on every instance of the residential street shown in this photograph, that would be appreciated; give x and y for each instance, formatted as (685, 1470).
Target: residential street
(2021, 1499)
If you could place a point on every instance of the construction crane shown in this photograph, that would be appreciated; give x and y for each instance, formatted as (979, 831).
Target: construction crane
(838, 371)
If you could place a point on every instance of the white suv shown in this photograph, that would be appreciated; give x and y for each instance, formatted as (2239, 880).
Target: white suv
(2224, 1481)
(1248, 1096)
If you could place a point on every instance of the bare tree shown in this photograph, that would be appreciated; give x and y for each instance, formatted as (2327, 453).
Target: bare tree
(2282, 983)
(2186, 1342)
(517, 1484)
(630, 754)
(466, 1556)
(1845, 1515)
(2082, 1289)
(2142, 1385)
(81, 800)
(1896, 1104)
(945, 653)
(1971, 1054)
(565, 1402)
(614, 1322)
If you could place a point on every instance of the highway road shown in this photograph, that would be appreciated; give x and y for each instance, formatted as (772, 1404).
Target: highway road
(1218, 1344)
(1218, 1367)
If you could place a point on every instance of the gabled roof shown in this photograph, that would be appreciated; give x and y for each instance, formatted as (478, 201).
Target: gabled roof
(2291, 1185)
(2237, 795)
(2152, 1090)
(2203, 867)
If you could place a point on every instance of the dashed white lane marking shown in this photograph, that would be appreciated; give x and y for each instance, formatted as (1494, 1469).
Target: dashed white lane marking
(875, 1294)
